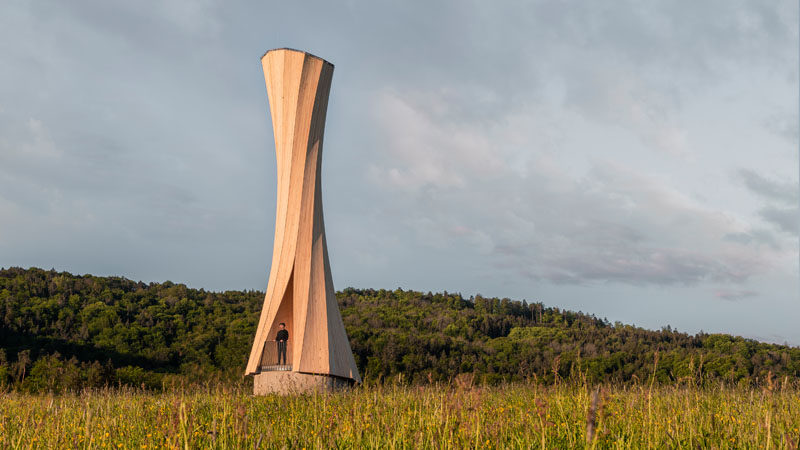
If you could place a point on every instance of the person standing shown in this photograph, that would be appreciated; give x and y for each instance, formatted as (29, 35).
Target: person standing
(282, 337)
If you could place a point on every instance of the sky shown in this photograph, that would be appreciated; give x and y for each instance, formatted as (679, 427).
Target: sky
(633, 160)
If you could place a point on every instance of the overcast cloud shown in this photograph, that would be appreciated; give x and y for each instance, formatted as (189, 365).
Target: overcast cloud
(636, 160)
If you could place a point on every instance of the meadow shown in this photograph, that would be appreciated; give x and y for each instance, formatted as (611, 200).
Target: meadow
(526, 415)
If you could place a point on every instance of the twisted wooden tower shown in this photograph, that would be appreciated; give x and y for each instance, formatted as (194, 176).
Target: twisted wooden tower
(300, 290)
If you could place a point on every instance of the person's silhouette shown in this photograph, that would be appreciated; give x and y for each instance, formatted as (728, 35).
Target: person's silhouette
(282, 337)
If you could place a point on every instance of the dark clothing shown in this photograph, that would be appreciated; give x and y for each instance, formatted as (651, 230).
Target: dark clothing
(281, 352)
(282, 335)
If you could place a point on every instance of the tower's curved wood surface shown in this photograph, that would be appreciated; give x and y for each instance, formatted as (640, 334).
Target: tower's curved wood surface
(300, 289)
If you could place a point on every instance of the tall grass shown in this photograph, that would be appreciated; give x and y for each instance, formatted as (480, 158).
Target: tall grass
(511, 416)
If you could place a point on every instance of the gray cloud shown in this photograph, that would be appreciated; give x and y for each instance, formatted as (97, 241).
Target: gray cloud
(786, 219)
(755, 236)
(785, 126)
(734, 295)
(770, 189)
(512, 140)
(541, 220)
(786, 216)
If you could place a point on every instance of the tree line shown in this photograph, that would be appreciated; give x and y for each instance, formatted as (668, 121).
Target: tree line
(60, 331)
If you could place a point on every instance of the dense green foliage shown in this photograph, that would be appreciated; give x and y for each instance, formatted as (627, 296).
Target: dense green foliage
(62, 331)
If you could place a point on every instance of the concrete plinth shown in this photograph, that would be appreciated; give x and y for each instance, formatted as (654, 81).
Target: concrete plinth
(283, 383)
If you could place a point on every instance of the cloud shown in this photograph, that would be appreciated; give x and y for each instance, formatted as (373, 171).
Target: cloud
(786, 219)
(785, 125)
(545, 220)
(429, 152)
(781, 210)
(734, 295)
(145, 25)
(634, 65)
(783, 192)
(617, 226)
(755, 236)
(564, 139)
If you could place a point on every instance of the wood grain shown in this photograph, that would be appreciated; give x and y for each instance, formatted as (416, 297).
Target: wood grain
(300, 289)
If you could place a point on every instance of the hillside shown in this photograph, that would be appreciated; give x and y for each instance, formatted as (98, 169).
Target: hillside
(59, 330)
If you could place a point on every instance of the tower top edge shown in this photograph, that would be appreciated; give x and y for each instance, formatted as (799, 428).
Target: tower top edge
(296, 51)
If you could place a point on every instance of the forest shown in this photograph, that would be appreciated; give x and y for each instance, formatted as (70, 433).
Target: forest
(60, 331)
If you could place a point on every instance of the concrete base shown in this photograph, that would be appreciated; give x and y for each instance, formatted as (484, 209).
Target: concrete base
(283, 383)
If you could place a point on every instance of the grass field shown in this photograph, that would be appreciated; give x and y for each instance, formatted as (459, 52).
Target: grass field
(513, 416)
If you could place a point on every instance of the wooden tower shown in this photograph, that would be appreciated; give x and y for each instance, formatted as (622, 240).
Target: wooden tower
(300, 290)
